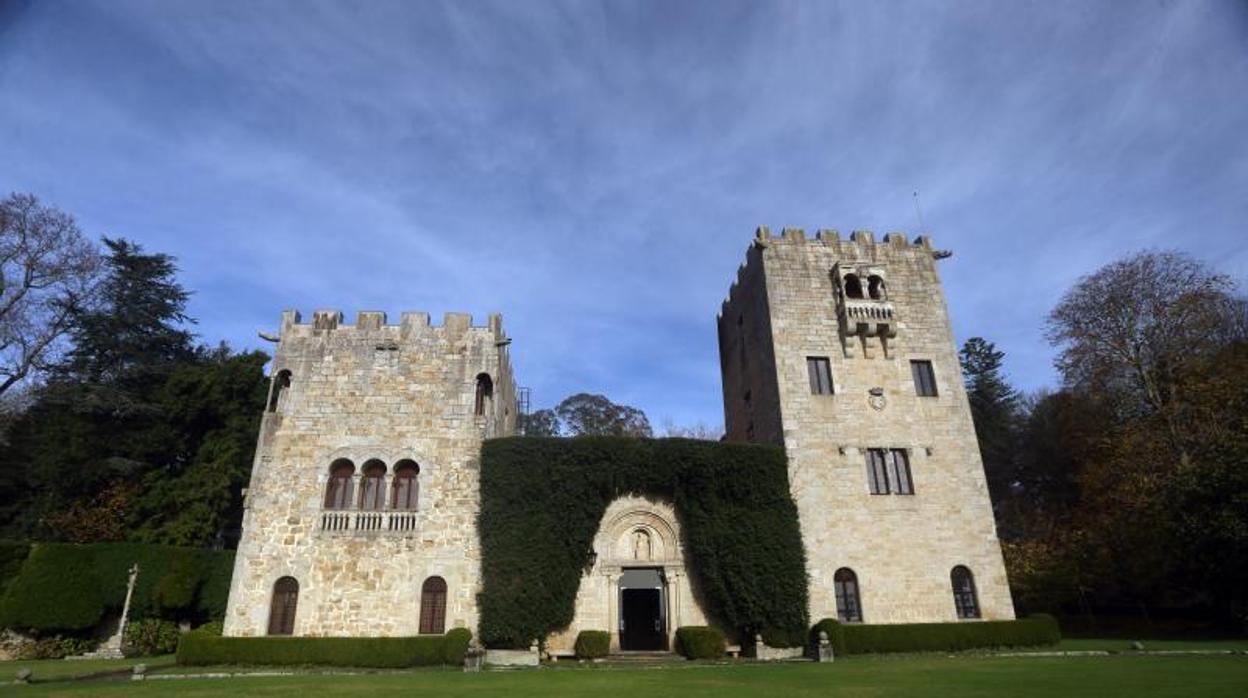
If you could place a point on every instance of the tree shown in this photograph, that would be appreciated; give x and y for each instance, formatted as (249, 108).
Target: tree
(994, 408)
(698, 430)
(584, 414)
(1126, 330)
(47, 272)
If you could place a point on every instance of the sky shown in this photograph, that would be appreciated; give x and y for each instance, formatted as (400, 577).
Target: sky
(595, 170)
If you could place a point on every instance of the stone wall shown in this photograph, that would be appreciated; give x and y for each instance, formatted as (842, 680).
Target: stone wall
(902, 547)
(361, 392)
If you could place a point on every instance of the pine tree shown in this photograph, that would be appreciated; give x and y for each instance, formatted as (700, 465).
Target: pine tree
(995, 409)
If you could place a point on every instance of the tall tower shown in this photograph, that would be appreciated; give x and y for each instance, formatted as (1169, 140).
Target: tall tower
(841, 351)
(361, 516)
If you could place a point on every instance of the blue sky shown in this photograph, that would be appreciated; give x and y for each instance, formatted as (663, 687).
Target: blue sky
(595, 171)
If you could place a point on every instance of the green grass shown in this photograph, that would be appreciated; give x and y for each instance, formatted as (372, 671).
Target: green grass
(874, 677)
(1076, 644)
(63, 669)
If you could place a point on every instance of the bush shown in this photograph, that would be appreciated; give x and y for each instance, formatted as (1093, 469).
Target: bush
(456, 646)
(12, 555)
(65, 587)
(213, 628)
(740, 525)
(152, 636)
(55, 648)
(784, 637)
(371, 652)
(700, 642)
(592, 644)
(939, 637)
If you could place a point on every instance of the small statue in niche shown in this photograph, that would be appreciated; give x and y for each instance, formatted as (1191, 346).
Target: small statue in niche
(641, 545)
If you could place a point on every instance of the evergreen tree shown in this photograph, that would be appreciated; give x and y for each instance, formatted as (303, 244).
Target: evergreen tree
(995, 410)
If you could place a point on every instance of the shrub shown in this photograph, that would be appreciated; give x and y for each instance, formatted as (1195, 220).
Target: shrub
(700, 642)
(592, 644)
(740, 525)
(939, 637)
(12, 555)
(372, 652)
(832, 627)
(55, 648)
(152, 636)
(784, 637)
(64, 587)
(213, 628)
(455, 646)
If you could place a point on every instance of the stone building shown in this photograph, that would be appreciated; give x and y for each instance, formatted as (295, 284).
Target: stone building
(842, 352)
(362, 510)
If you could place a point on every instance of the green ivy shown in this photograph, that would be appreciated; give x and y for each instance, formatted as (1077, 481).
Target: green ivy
(543, 498)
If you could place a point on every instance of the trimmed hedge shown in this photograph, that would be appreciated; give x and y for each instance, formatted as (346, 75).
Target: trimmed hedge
(592, 644)
(852, 638)
(372, 652)
(12, 555)
(700, 642)
(66, 587)
(543, 498)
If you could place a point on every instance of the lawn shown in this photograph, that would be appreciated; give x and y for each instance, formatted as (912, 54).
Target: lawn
(63, 669)
(877, 677)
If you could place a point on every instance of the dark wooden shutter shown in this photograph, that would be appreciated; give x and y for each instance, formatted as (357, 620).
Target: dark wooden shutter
(433, 606)
(282, 609)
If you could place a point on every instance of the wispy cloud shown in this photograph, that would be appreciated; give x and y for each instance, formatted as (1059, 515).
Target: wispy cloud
(595, 170)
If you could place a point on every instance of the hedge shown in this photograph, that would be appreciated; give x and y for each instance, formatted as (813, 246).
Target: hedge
(66, 587)
(198, 649)
(700, 642)
(853, 638)
(542, 500)
(592, 644)
(12, 555)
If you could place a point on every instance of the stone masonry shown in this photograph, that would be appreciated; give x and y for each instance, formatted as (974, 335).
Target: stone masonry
(364, 392)
(789, 304)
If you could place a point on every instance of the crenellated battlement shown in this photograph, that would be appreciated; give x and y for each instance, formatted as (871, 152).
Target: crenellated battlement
(374, 322)
(824, 236)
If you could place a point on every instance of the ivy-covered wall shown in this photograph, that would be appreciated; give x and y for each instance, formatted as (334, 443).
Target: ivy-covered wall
(542, 500)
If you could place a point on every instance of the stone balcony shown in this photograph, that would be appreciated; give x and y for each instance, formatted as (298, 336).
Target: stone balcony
(870, 318)
(355, 522)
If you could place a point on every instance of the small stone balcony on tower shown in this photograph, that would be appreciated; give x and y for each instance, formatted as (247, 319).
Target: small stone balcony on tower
(863, 307)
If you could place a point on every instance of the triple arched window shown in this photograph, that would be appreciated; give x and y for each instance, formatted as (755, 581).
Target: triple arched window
(848, 605)
(404, 486)
(965, 600)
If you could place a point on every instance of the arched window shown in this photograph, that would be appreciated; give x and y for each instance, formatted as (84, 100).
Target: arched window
(485, 394)
(282, 609)
(848, 606)
(965, 599)
(281, 383)
(406, 487)
(875, 287)
(853, 287)
(339, 489)
(433, 606)
(373, 486)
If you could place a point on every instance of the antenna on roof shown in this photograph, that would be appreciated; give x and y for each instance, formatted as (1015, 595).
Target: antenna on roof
(918, 210)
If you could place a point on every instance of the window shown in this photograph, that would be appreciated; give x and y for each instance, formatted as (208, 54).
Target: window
(282, 609)
(899, 472)
(875, 287)
(433, 606)
(877, 473)
(281, 382)
(848, 607)
(485, 394)
(406, 487)
(924, 378)
(340, 487)
(888, 471)
(853, 287)
(964, 598)
(373, 486)
(820, 373)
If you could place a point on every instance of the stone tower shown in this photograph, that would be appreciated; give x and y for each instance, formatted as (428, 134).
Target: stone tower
(360, 519)
(841, 351)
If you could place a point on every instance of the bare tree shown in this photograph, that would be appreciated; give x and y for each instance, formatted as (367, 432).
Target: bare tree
(698, 430)
(48, 269)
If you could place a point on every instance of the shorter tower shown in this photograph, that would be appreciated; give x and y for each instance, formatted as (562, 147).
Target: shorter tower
(841, 352)
(361, 516)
